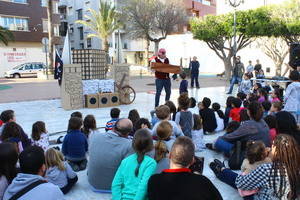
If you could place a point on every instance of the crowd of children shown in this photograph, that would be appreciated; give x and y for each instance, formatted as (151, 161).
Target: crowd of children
(252, 121)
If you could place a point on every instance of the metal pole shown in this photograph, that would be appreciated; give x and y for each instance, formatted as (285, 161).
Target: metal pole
(119, 59)
(234, 37)
(46, 64)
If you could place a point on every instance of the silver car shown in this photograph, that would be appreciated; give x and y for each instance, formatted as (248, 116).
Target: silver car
(25, 70)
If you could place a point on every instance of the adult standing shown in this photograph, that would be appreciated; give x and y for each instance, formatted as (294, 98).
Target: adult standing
(237, 73)
(292, 96)
(162, 79)
(257, 67)
(106, 152)
(194, 69)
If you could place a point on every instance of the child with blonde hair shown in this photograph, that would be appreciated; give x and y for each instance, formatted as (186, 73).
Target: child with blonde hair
(59, 172)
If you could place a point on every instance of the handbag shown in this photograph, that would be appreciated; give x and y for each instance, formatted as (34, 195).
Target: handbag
(236, 156)
(197, 166)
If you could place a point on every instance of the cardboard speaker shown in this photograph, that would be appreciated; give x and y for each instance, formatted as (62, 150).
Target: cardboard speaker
(91, 101)
(108, 99)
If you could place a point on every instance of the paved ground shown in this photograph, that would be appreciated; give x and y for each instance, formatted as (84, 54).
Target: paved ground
(29, 89)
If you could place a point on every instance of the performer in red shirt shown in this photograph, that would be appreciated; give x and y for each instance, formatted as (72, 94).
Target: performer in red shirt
(162, 79)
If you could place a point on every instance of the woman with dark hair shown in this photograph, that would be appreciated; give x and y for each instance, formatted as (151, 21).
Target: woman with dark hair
(131, 179)
(89, 126)
(142, 123)
(292, 96)
(8, 160)
(253, 129)
(276, 180)
(286, 124)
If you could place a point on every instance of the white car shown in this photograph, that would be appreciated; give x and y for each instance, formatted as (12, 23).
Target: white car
(25, 70)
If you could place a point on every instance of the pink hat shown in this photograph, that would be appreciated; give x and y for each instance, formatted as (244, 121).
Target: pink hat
(161, 51)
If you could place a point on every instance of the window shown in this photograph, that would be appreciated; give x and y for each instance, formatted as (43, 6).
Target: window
(81, 45)
(28, 67)
(125, 46)
(79, 14)
(70, 10)
(16, 1)
(206, 2)
(89, 42)
(55, 27)
(80, 29)
(14, 23)
(38, 66)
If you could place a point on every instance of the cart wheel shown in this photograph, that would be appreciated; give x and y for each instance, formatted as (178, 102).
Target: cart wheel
(127, 95)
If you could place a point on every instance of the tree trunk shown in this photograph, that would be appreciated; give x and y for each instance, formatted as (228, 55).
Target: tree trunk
(228, 67)
(278, 68)
(50, 35)
(156, 47)
(147, 53)
(105, 45)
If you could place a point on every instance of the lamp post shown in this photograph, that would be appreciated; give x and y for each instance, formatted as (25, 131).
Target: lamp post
(234, 4)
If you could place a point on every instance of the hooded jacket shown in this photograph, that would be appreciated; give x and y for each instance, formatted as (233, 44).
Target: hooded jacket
(292, 97)
(59, 177)
(45, 191)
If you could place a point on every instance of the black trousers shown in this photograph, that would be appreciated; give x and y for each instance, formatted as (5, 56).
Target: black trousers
(71, 183)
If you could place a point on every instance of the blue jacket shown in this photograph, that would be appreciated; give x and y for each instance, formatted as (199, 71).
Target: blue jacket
(194, 67)
(183, 86)
(75, 144)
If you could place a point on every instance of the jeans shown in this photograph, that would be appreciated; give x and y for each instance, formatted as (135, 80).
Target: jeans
(194, 78)
(227, 176)
(160, 84)
(223, 146)
(71, 183)
(233, 81)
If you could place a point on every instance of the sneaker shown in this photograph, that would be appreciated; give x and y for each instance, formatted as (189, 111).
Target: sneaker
(215, 168)
(59, 140)
(209, 146)
(198, 87)
(219, 163)
(228, 93)
(74, 166)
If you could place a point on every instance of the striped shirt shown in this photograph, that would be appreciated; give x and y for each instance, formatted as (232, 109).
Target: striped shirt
(111, 124)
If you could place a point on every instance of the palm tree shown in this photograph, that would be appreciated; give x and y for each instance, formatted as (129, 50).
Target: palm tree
(50, 35)
(103, 23)
(5, 35)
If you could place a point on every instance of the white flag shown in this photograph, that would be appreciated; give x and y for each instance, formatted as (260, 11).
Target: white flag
(66, 53)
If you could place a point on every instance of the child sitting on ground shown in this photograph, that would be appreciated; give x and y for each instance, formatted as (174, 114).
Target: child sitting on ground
(197, 133)
(262, 95)
(90, 126)
(39, 135)
(114, 114)
(75, 145)
(184, 118)
(272, 123)
(131, 178)
(219, 116)
(58, 171)
(246, 85)
(208, 117)
(193, 106)
(275, 95)
(227, 110)
(183, 88)
(256, 87)
(275, 108)
(163, 146)
(163, 113)
(235, 111)
(266, 106)
(242, 97)
(257, 154)
(143, 123)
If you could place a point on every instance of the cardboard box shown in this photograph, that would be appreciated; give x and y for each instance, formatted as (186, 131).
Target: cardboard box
(92, 101)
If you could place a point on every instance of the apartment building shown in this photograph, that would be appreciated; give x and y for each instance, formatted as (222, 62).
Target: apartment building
(27, 19)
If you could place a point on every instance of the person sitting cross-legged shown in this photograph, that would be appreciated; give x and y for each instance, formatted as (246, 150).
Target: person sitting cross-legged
(106, 151)
(179, 182)
(30, 182)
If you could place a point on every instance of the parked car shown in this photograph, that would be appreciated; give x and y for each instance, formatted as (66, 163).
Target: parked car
(25, 70)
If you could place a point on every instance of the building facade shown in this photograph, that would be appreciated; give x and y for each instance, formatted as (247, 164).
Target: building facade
(27, 19)
(122, 47)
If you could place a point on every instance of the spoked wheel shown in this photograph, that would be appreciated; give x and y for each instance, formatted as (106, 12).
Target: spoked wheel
(127, 95)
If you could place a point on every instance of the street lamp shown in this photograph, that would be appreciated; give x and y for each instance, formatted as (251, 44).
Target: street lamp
(234, 4)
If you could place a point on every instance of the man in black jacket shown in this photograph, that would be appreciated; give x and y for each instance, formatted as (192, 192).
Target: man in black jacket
(178, 183)
(194, 69)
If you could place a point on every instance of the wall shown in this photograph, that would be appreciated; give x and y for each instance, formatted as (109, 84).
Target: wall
(33, 53)
(184, 46)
